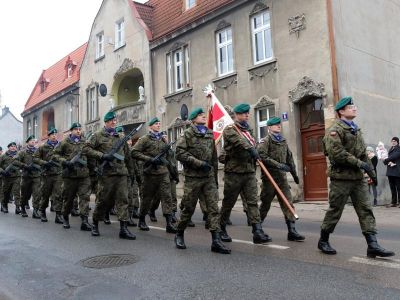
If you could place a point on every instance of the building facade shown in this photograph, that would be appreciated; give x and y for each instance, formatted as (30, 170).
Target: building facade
(11, 128)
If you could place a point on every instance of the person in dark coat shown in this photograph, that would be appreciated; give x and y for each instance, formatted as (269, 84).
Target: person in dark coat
(393, 171)
(371, 184)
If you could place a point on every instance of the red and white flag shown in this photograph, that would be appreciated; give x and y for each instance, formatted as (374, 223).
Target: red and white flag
(218, 117)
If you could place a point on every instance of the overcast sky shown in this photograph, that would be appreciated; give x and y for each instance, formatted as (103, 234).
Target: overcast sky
(34, 36)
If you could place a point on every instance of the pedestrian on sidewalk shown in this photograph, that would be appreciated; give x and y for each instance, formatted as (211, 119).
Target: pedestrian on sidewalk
(371, 184)
(393, 171)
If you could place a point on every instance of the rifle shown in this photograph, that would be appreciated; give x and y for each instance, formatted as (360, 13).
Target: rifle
(116, 147)
(32, 166)
(9, 168)
(50, 163)
(148, 166)
(77, 159)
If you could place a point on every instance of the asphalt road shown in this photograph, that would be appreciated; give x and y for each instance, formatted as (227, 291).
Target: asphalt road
(43, 261)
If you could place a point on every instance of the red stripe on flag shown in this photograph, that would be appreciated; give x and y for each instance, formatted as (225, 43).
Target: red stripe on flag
(217, 112)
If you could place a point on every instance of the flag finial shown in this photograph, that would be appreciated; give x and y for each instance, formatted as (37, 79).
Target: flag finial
(208, 90)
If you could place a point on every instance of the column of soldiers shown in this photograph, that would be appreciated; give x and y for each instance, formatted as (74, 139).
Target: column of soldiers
(118, 171)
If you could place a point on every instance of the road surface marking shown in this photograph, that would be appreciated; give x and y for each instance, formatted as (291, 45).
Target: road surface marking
(381, 262)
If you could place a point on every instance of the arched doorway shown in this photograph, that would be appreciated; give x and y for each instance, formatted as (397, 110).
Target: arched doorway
(128, 87)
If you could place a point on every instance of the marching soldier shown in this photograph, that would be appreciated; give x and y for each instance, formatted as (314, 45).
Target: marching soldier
(1, 181)
(113, 183)
(196, 150)
(51, 181)
(30, 184)
(156, 176)
(75, 175)
(278, 158)
(240, 173)
(11, 178)
(344, 145)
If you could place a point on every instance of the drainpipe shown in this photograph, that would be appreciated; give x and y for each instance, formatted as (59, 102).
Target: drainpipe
(335, 84)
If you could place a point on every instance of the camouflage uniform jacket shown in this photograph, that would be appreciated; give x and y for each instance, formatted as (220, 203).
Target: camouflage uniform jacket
(66, 151)
(26, 158)
(346, 151)
(101, 142)
(237, 156)
(43, 155)
(6, 159)
(194, 148)
(148, 147)
(274, 153)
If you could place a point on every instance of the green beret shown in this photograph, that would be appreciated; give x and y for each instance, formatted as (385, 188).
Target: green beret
(31, 137)
(75, 125)
(119, 129)
(11, 144)
(274, 121)
(195, 112)
(153, 121)
(52, 130)
(109, 116)
(343, 102)
(241, 108)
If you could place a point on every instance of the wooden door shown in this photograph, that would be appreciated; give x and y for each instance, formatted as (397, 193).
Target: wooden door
(314, 161)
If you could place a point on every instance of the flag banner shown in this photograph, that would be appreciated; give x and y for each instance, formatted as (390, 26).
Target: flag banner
(218, 117)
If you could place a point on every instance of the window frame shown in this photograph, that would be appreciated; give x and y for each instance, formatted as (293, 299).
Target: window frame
(225, 45)
(263, 28)
(261, 124)
(35, 126)
(100, 45)
(119, 34)
(190, 4)
(172, 66)
(28, 128)
(92, 103)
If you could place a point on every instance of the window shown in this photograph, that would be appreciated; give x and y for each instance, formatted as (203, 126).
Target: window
(35, 127)
(99, 45)
(119, 34)
(225, 51)
(261, 32)
(173, 134)
(69, 71)
(92, 103)
(263, 114)
(190, 3)
(178, 65)
(69, 112)
(28, 128)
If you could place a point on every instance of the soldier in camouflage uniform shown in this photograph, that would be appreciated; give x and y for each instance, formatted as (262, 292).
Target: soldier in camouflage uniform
(156, 176)
(344, 145)
(75, 175)
(240, 173)
(51, 181)
(11, 178)
(278, 158)
(1, 181)
(196, 150)
(30, 185)
(113, 181)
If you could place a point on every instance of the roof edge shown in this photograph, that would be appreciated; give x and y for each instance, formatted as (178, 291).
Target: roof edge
(137, 16)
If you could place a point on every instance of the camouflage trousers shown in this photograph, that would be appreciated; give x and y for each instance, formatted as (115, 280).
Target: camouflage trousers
(340, 191)
(112, 190)
(1, 190)
(94, 180)
(156, 186)
(51, 186)
(236, 183)
(30, 186)
(76, 187)
(133, 194)
(156, 201)
(208, 189)
(268, 193)
(12, 188)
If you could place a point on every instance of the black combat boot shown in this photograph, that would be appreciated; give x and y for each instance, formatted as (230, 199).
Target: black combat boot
(35, 214)
(124, 233)
(131, 222)
(17, 210)
(152, 215)
(27, 206)
(179, 240)
(85, 225)
(95, 228)
(23, 212)
(259, 237)
(58, 219)
(113, 212)
(229, 222)
(224, 234)
(374, 249)
(135, 213)
(142, 223)
(205, 217)
(4, 208)
(191, 224)
(43, 216)
(107, 218)
(217, 245)
(293, 235)
(66, 222)
(169, 228)
(323, 243)
(174, 219)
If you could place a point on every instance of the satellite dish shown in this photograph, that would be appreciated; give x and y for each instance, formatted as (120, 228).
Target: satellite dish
(184, 112)
(103, 90)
